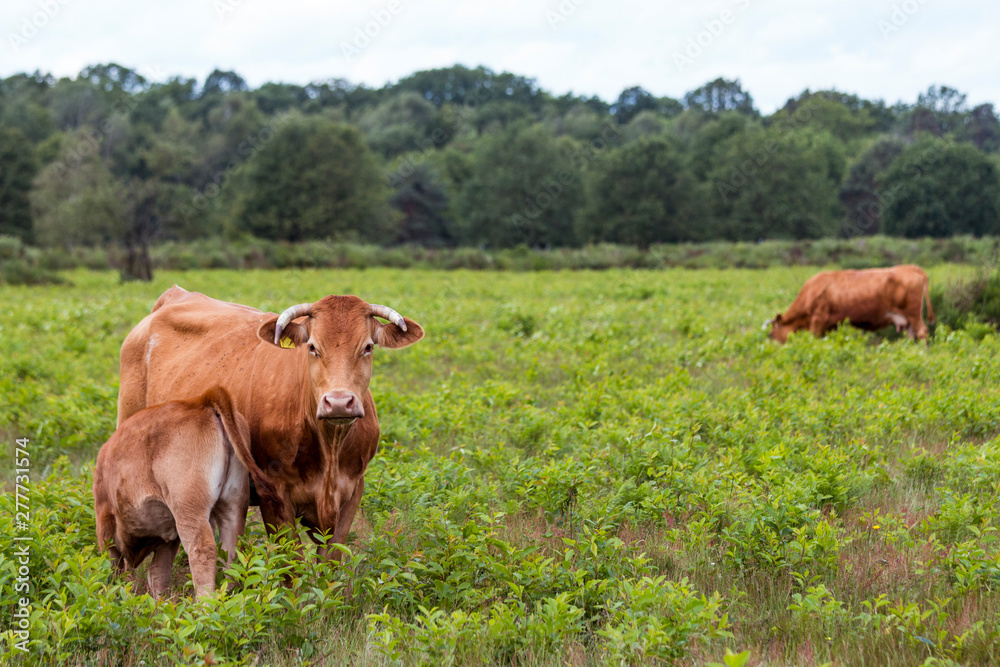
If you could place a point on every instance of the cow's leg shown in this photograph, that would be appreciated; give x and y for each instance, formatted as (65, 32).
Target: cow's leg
(276, 517)
(199, 543)
(347, 511)
(328, 523)
(341, 520)
(117, 560)
(158, 576)
(817, 325)
(916, 327)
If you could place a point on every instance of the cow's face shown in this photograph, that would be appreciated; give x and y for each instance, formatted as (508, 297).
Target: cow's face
(780, 330)
(338, 337)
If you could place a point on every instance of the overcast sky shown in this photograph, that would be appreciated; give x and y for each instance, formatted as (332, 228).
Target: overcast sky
(875, 48)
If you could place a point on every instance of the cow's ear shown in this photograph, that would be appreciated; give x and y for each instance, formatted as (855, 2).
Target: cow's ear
(293, 335)
(777, 318)
(389, 335)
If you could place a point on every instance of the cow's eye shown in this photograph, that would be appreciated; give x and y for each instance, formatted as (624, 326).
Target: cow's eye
(312, 350)
(368, 348)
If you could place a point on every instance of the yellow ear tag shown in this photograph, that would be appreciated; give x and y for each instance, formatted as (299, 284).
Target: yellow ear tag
(287, 343)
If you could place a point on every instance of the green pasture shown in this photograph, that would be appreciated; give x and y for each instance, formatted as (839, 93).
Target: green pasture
(576, 468)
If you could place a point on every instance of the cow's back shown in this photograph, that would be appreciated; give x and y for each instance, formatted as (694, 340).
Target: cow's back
(812, 289)
(866, 296)
(187, 343)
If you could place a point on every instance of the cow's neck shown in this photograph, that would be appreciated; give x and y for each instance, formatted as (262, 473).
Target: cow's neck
(310, 449)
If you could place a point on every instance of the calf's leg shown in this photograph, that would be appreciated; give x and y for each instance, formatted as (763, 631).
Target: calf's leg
(199, 544)
(232, 522)
(158, 576)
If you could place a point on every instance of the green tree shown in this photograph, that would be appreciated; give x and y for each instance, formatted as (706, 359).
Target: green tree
(80, 202)
(316, 179)
(76, 200)
(522, 188)
(720, 95)
(643, 193)
(862, 193)
(399, 124)
(17, 169)
(644, 124)
(113, 78)
(471, 87)
(423, 203)
(635, 100)
(937, 187)
(940, 110)
(703, 134)
(579, 122)
(777, 184)
(499, 114)
(274, 97)
(24, 100)
(983, 128)
(828, 110)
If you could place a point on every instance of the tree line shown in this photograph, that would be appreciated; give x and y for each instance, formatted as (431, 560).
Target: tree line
(470, 157)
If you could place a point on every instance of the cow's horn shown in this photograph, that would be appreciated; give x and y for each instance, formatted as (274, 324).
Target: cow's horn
(287, 316)
(387, 313)
(767, 324)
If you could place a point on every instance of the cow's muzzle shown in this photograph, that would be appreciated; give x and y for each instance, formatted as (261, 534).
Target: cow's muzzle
(340, 406)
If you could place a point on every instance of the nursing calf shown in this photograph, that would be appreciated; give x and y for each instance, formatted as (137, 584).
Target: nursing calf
(170, 475)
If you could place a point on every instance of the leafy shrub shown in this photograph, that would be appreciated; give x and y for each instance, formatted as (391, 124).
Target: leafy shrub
(964, 304)
(11, 247)
(19, 266)
(247, 252)
(517, 322)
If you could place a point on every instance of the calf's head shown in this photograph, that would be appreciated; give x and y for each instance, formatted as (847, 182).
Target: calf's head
(338, 336)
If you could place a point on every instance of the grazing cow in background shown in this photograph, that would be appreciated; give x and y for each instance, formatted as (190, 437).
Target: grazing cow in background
(168, 476)
(870, 299)
(301, 378)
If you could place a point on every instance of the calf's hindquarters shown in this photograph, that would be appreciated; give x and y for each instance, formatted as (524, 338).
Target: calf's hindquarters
(168, 476)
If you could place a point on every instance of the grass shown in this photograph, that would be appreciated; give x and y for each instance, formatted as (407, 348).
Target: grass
(576, 468)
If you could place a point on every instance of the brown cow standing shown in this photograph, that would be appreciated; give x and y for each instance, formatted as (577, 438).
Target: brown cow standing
(300, 378)
(168, 476)
(869, 299)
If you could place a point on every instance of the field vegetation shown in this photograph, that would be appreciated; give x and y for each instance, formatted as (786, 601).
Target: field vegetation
(579, 468)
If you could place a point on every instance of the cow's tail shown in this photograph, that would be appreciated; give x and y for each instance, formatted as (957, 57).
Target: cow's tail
(237, 433)
(927, 298)
(107, 525)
